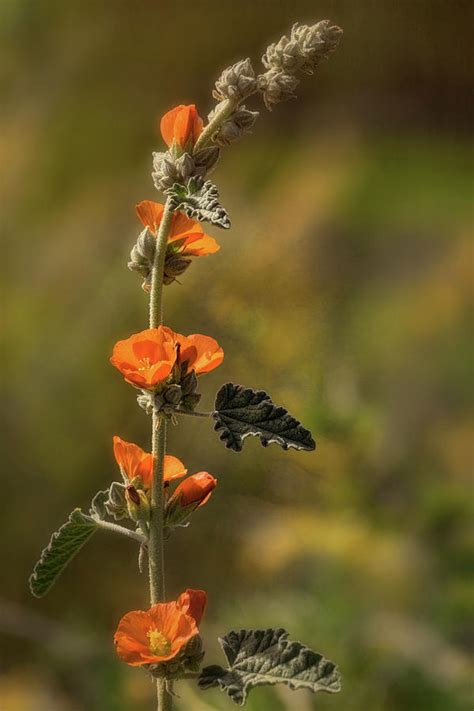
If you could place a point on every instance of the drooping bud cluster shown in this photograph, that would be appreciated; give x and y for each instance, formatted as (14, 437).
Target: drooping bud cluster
(237, 82)
(239, 123)
(301, 52)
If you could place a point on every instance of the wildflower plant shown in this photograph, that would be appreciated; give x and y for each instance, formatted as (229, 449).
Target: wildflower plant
(155, 493)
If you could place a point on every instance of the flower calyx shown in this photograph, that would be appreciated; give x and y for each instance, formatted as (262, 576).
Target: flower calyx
(180, 392)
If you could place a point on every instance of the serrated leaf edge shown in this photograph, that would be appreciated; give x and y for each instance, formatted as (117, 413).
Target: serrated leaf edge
(76, 513)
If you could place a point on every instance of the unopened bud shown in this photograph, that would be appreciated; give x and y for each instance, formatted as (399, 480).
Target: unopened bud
(304, 49)
(142, 254)
(277, 86)
(205, 160)
(192, 493)
(175, 266)
(239, 123)
(236, 82)
(137, 504)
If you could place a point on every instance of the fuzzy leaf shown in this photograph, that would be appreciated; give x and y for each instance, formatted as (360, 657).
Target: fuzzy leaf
(240, 412)
(200, 201)
(63, 546)
(258, 657)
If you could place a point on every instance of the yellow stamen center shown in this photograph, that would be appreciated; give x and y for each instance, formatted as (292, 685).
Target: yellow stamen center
(158, 643)
(144, 364)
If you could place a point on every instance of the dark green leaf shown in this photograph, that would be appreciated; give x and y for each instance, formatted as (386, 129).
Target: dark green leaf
(258, 657)
(200, 201)
(63, 546)
(240, 412)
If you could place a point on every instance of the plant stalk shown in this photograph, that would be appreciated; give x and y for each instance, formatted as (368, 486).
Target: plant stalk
(216, 122)
(164, 698)
(115, 528)
(156, 540)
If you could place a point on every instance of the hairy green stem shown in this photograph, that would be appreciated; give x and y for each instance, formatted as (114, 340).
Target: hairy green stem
(165, 699)
(215, 123)
(156, 565)
(156, 291)
(115, 528)
(156, 539)
(193, 413)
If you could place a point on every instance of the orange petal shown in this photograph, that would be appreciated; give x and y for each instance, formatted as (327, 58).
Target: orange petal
(131, 641)
(173, 468)
(167, 124)
(182, 224)
(150, 213)
(133, 460)
(193, 602)
(200, 246)
(203, 353)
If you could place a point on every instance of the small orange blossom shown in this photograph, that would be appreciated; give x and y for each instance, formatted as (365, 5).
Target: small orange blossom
(133, 461)
(147, 358)
(159, 634)
(187, 237)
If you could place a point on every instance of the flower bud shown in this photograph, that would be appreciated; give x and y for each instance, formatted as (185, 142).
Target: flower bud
(205, 160)
(142, 255)
(192, 493)
(137, 504)
(181, 127)
(239, 123)
(175, 265)
(304, 49)
(236, 82)
(277, 86)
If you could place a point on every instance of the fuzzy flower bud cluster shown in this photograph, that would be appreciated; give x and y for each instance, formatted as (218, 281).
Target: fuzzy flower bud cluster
(301, 52)
(168, 170)
(237, 82)
(239, 123)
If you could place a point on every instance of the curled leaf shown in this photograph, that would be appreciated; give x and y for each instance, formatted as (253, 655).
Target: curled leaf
(259, 657)
(199, 200)
(240, 412)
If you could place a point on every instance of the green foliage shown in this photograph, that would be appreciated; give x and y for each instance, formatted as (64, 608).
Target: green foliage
(63, 546)
(259, 657)
(199, 200)
(240, 412)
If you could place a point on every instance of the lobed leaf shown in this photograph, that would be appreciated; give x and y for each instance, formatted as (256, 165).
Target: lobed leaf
(241, 412)
(259, 657)
(63, 546)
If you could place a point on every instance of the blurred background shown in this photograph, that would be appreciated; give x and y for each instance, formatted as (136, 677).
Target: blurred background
(342, 289)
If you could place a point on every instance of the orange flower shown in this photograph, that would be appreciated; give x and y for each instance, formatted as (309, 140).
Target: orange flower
(160, 633)
(182, 125)
(196, 489)
(187, 237)
(202, 353)
(133, 461)
(146, 358)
